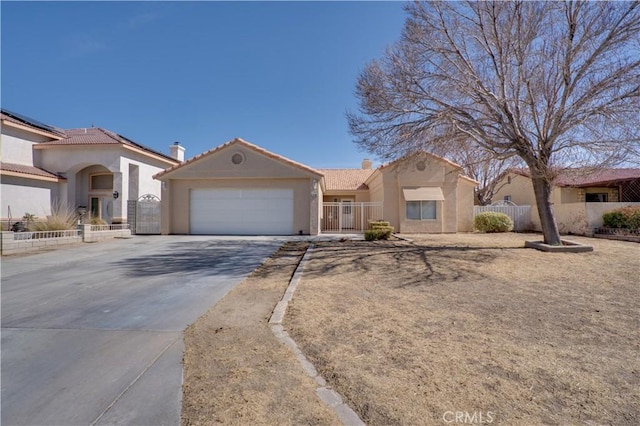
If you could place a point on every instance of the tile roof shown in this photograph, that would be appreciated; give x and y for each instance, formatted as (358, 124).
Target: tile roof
(589, 177)
(599, 176)
(100, 136)
(31, 123)
(27, 170)
(246, 144)
(346, 179)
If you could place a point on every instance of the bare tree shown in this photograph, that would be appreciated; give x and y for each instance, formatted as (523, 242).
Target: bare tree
(556, 84)
(484, 168)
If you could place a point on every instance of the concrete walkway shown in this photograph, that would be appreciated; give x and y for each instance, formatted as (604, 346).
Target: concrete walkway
(92, 335)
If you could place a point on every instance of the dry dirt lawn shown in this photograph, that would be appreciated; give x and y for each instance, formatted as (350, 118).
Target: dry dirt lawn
(474, 326)
(235, 371)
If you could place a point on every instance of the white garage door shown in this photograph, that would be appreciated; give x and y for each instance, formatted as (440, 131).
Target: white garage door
(241, 211)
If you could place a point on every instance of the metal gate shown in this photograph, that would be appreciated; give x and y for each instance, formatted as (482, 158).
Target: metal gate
(148, 215)
(348, 216)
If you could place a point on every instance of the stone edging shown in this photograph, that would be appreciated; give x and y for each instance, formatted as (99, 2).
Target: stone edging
(330, 397)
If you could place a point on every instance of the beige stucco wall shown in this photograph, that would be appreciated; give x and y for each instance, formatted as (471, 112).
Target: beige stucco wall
(259, 171)
(520, 189)
(16, 145)
(436, 174)
(23, 195)
(465, 199)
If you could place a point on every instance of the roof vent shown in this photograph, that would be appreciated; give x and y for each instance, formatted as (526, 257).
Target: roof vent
(366, 164)
(176, 151)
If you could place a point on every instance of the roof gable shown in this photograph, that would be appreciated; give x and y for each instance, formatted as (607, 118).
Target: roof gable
(402, 162)
(214, 163)
(91, 136)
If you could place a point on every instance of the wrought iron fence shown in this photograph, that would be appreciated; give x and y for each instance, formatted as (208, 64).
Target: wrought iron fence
(345, 216)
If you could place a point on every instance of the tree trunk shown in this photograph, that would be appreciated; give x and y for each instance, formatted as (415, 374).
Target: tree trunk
(542, 191)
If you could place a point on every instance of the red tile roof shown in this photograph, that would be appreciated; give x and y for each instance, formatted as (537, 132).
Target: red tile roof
(589, 177)
(27, 170)
(596, 177)
(100, 136)
(346, 179)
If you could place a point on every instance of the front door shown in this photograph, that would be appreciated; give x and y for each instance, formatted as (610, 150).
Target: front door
(347, 214)
(101, 207)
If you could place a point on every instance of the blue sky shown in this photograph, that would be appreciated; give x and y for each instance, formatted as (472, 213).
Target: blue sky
(278, 74)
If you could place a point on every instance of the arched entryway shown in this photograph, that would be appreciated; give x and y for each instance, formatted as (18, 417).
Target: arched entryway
(95, 190)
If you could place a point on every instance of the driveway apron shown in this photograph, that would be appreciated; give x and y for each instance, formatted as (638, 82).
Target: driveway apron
(92, 335)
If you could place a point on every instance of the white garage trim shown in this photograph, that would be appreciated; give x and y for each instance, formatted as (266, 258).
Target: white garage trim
(226, 211)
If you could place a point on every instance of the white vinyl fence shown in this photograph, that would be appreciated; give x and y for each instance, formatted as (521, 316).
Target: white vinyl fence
(520, 215)
(347, 216)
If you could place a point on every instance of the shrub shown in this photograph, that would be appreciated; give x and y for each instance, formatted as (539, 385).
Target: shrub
(377, 224)
(378, 234)
(62, 217)
(493, 222)
(624, 217)
(97, 221)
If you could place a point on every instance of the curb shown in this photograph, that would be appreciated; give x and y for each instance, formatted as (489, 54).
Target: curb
(327, 395)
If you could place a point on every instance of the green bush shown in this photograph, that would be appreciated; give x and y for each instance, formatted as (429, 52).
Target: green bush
(493, 222)
(378, 234)
(624, 217)
(379, 224)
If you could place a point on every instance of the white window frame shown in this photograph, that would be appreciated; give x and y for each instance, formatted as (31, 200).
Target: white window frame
(423, 210)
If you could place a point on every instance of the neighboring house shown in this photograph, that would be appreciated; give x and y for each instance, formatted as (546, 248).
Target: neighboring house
(89, 168)
(579, 197)
(240, 188)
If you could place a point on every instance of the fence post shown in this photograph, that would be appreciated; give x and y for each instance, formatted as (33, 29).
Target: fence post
(5, 239)
(85, 231)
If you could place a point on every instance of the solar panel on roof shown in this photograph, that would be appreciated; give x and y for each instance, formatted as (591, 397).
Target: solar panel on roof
(30, 121)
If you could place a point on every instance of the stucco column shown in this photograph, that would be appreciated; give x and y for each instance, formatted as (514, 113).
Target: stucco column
(314, 209)
(165, 207)
(119, 213)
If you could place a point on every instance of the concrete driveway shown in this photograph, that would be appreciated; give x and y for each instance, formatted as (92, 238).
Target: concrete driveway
(92, 335)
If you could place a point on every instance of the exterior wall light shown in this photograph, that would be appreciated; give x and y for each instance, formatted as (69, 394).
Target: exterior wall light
(116, 194)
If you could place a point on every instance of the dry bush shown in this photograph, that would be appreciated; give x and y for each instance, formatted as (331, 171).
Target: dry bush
(62, 217)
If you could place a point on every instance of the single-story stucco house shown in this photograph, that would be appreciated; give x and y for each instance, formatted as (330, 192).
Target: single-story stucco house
(93, 169)
(241, 188)
(579, 197)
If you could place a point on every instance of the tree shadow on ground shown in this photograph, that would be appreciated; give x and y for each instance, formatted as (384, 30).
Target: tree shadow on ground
(220, 257)
(411, 264)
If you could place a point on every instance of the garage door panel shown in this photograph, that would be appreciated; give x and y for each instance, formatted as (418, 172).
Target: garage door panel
(241, 211)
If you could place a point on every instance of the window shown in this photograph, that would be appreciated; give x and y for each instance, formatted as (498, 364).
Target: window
(94, 207)
(596, 198)
(102, 182)
(507, 198)
(421, 210)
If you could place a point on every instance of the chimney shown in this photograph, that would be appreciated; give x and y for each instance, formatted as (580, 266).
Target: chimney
(176, 151)
(366, 164)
